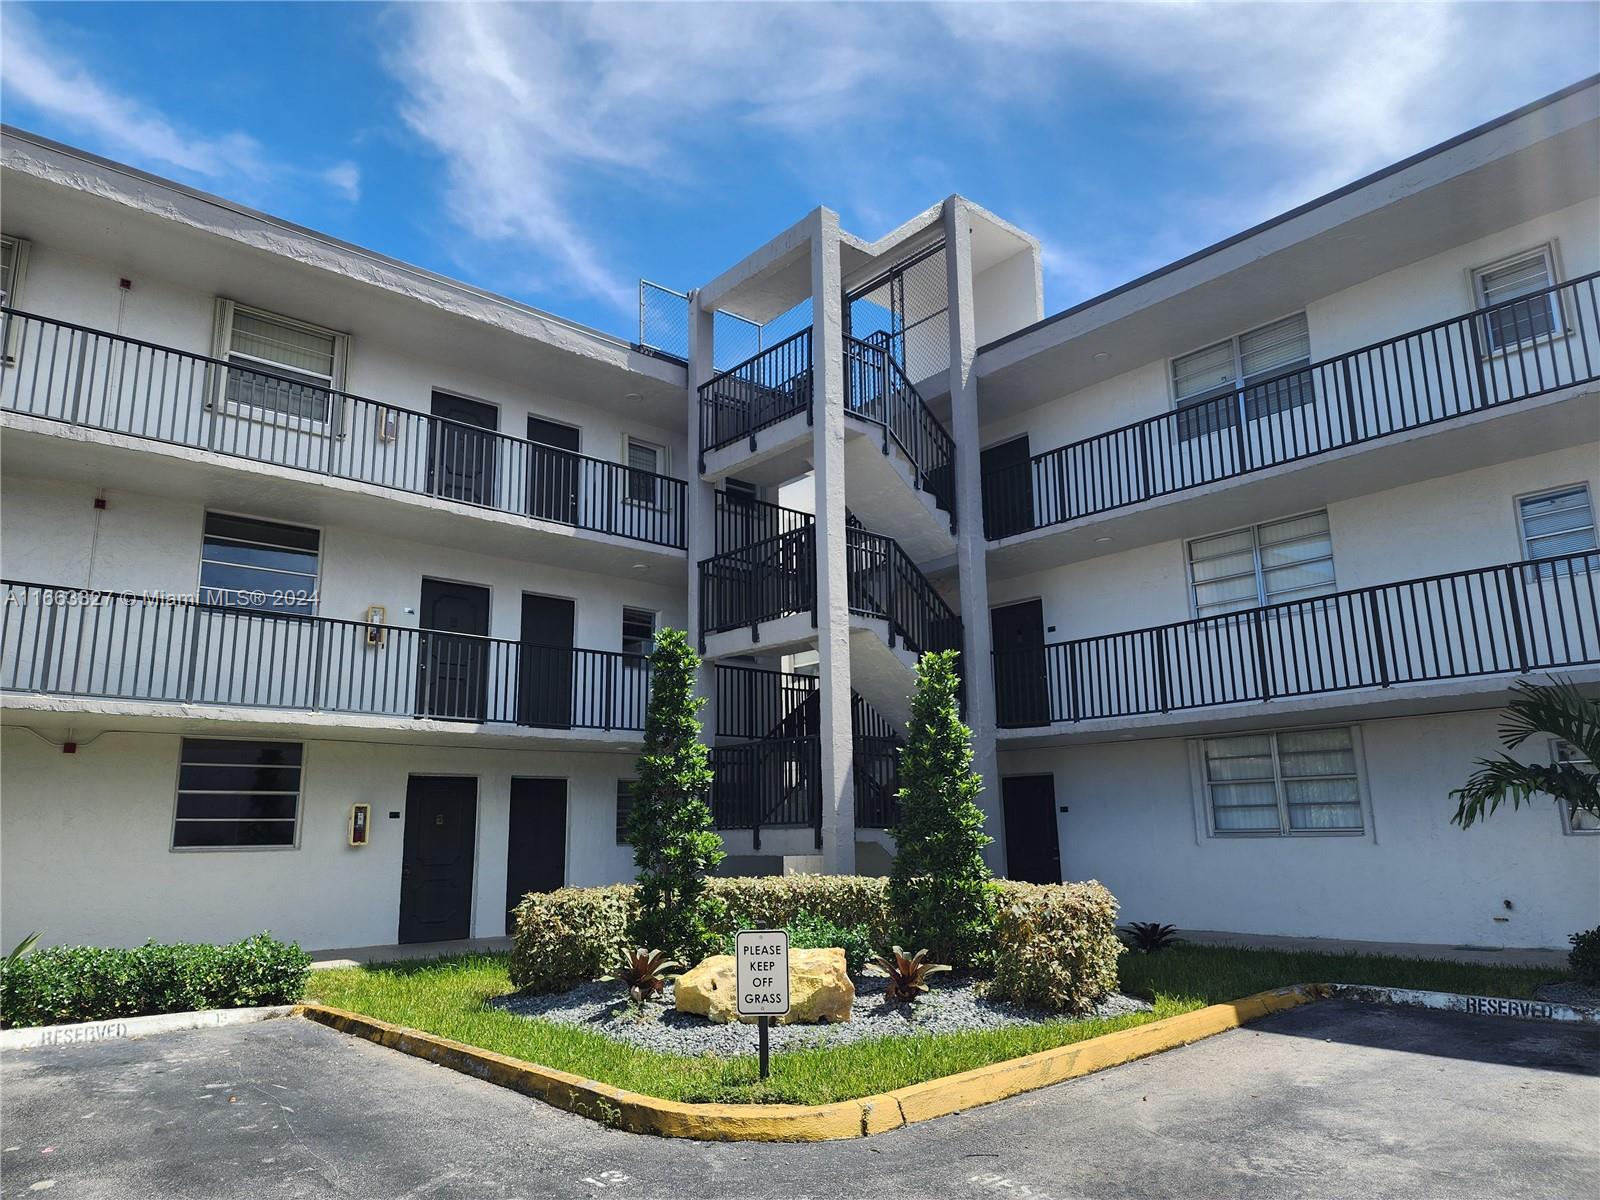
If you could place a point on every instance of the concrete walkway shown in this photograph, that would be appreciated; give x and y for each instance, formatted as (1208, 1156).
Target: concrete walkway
(1490, 956)
(354, 956)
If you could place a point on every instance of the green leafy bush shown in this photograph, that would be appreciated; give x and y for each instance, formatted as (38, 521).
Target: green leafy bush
(569, 936)
(63, 984)
(786, 901)
(1055, 946)
(818, 933)
(1585, 956)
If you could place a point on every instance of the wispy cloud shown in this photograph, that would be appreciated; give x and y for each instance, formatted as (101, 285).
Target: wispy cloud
(44, 77)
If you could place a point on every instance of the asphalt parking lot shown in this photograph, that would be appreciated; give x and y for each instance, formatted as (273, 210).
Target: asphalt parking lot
(1334, 1099)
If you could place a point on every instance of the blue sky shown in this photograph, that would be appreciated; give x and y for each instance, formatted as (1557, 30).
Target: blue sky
(557, 153)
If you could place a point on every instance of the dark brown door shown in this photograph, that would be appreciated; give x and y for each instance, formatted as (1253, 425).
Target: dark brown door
(436, 862)
(536, 847)
(456, 659)
(1021, 684)
(1007, 488)
(1033, 846)
(553, 469)
(462, 449)
(545, 683)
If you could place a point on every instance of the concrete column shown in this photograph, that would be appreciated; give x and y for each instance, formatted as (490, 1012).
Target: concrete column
(833, 604)
(971, 549)
(701, 501)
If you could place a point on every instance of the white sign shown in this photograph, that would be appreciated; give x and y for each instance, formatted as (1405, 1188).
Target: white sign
(761, 972)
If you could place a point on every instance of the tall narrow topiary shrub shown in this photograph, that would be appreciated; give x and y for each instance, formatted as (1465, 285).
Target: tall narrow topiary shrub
(674, 841)
(939, 889)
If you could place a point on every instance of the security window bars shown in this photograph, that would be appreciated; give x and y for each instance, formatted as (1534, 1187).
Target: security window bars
(1581, 821)
(624, 809)
(237, 795)
(1555, 524)
(301, 363)
(249, 563)
(1301, 781)
(645, 463)
(1283, 560)
(638, 631)
(1217, 385)
(1512, 320)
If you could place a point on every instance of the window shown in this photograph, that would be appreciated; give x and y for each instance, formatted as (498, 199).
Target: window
(1557, 524)
(624, 809)
(1581, 821)
(13, 270)
(1507, 288)
(237, 795)
(1201, 379)
(304, 360)
(638, 631)
(1299, 781)
(1283, 560)
(645, 463)
(259, 564)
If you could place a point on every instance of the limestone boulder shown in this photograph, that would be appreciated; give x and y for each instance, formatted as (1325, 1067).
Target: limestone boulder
(819, 989)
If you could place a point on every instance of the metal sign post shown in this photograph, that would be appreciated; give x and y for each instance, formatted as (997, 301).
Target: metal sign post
(761, 978)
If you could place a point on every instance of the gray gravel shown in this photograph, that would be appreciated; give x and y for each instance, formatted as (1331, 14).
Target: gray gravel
(952, 1006)
(1569, 991)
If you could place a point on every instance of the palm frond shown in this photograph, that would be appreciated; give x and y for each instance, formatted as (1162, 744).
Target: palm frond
(1556, 709)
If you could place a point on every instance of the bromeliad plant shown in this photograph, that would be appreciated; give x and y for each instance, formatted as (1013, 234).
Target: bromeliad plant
(1148, 936)
(908, 975)
(643, 972)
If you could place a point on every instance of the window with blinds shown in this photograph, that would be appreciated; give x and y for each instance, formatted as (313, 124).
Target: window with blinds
(281, 365)
(1244, 374)
(1265, 564)
(1556, 525)
(248, 563)
(645, 462)
(1290, 782)
(237, 795)
(1581, 821)
(1511, 292)
(13, 263)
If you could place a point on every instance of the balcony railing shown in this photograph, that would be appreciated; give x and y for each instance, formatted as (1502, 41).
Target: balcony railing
(1527, 347)
(742, 520)
(878, 391)
(1523, 616)
(766, 784)
(761, 391)
(124, 646)
(754, 703)
(96, 380)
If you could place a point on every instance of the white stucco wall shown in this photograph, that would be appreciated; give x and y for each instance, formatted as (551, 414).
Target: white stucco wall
(1134, 822)
(84, 842)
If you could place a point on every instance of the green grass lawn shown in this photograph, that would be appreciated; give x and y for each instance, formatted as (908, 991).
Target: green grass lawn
(446, 997)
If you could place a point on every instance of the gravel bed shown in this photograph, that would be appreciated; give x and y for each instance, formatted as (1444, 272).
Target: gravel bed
(1569, 991)
(952, 1006)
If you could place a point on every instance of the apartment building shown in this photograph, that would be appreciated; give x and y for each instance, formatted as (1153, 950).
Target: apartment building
(330, 581)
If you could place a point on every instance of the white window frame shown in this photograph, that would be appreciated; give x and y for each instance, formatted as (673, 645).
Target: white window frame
(222, 342)
(629, 441)
(1559, 327)
(1261, 583)
(1205, 815)
(1522, 528)
(19, 277)
(1238, 386)
(200, 565)
(1560, 751)
(177, 791)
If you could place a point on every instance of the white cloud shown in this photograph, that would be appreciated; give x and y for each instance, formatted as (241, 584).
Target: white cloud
(44, 77)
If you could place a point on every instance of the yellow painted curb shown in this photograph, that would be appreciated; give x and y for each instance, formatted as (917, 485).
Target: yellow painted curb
(638, 1113)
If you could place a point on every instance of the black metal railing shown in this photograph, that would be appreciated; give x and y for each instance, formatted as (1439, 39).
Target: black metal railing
(876, 745)
(1518, 617)
(877, 391)
(1498, 355)
(885, 583)
(772, 783)
(132, 646)
(759, 392)
(740, 520)
(85, 377)
(754, 703)
(764, 581)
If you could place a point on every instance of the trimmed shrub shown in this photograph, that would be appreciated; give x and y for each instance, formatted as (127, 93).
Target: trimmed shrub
(819, 933)
(1056, 945)
(64, 984)
(783, 901)
(1585, 956)
(570, 935)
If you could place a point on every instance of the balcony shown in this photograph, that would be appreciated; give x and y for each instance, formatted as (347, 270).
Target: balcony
(758, 393)
(1495, 621)
(1534, 346)
(122, 647)
(91, 380)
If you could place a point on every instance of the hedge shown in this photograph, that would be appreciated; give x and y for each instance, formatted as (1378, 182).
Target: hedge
(1054, 946)
(63, 984)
